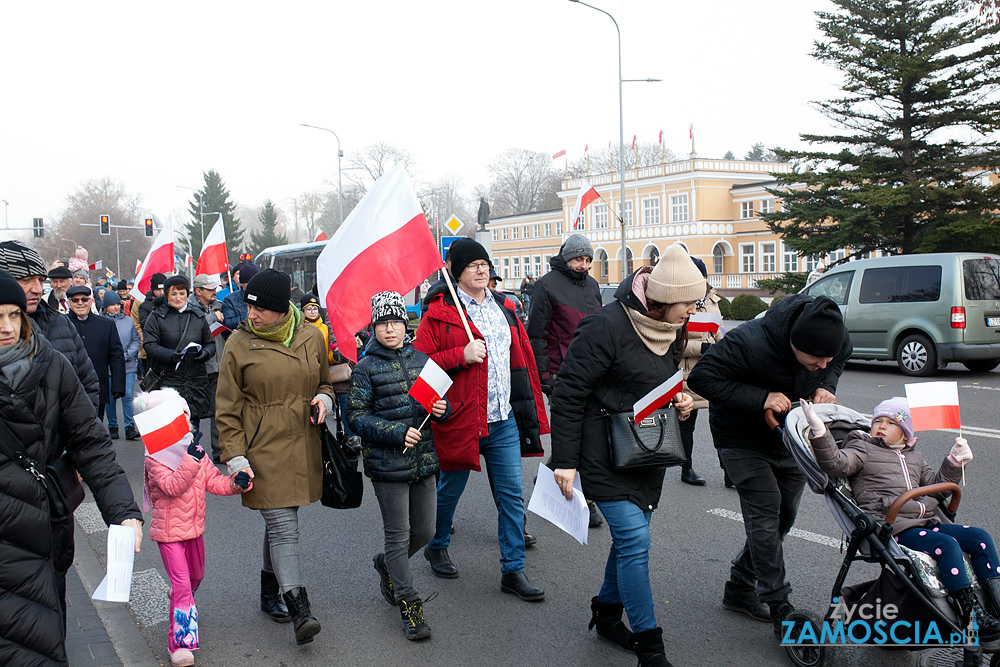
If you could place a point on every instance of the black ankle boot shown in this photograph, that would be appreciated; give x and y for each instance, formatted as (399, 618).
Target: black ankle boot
(412, 614)
(989, 626)
(779, 612)
(306, 625)
(991, 593)
(608, 620)
(648, 646)
(270, 600)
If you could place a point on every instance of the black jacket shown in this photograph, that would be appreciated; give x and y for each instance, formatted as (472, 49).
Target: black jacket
(49, 412)
(607, 368)
(752, 360)
(380, 410)
(64, 338)
(104, 347)
(168, 331)
(559, 300)
(146, 308)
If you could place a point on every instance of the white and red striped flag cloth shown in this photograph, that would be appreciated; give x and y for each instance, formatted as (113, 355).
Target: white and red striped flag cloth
(659, 397)
(584, 198)
(933, 405)
(159, 259)
(320, 237)
(430, 385)
(704, 323)
(559, 154)
(99, 264)
(217, 327)
(162, 426)
(385, 244)
(213, 259)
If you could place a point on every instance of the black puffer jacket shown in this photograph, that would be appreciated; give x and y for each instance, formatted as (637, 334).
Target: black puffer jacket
(167, 331)
(380, 410)
(49, 412)
(63, 336)
(607, 368)
(752, 360)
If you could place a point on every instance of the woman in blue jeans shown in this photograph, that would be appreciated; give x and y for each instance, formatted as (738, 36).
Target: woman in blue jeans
(618, 355)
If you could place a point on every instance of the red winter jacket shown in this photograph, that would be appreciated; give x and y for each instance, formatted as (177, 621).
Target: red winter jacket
(442, 337)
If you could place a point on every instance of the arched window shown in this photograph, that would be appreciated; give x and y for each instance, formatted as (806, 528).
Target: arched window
(652, 255)
(717, 255)
(601, 259)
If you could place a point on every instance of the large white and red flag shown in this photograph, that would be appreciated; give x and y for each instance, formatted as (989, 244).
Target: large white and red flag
(704, 323)
(584, 197)
(430, 385)
(659, 397)
(159, 259)
(213, 259)
(162, 426)
(138, 265)
(385, 244)
(933, 405)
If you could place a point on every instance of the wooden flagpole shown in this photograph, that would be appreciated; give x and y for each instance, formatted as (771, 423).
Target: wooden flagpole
(458, 304)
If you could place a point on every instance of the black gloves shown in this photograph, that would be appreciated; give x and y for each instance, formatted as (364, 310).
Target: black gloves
(242, 480)
(705, 346)
(547, 387)
(202, 355)
(195, 450)
(175, 358)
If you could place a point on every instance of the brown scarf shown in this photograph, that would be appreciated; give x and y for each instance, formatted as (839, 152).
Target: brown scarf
(655, 335)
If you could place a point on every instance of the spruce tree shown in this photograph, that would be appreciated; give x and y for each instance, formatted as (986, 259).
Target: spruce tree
(908, 168)
(268, 235)
(214, 197)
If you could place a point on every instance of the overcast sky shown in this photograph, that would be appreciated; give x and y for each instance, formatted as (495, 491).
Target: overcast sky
(153, 94)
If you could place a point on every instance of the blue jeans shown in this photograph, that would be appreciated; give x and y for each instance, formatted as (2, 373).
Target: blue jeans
(626, 575)
(945, 544)
(126, 405)
(501, 450)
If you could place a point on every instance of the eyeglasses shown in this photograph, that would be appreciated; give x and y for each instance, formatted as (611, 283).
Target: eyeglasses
(479, 267)
(395, 324)
(80, 299)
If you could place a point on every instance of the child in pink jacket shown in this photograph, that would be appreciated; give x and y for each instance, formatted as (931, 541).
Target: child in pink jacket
(175, 481)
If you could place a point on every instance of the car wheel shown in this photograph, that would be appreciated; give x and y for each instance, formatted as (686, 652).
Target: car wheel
(916, 356)
(981, 365)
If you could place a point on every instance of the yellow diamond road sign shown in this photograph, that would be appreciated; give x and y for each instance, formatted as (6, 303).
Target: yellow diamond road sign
(454, 224)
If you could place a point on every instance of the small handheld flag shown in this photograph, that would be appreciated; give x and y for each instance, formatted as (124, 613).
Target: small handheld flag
(430, 385)
(704, 323)
(933, 405)
(162, 426)
(659, 397)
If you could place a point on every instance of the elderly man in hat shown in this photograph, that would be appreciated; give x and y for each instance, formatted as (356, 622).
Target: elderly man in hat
(103, 345)
(61, 279)
(24, 263)
(203, 297)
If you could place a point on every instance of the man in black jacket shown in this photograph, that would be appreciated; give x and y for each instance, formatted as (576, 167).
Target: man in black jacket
(797, 350)
(25, 264)
(103, 345)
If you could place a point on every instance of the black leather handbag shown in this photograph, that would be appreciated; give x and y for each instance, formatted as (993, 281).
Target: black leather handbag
(655, 442)
(62, 484)
(343, 485)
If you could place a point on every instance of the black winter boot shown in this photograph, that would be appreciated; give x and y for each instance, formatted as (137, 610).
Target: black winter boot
(989, 626)
(648, 646)
(991, 593)
(779, 611)
(412, 614)
(306, 625)
(385, 580)
(608, 620)
(270, 600)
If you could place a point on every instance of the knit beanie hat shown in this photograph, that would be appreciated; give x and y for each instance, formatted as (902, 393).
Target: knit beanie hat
(120, 287)
(20, 260)
(61, 272)
(309, 299)
(898, 410)
(80, 273)
(110, 299)
(819, 328)
(388, 306)
(11, 292)
(178, 280)
(156, 281)
(464, 252)
(268, 289)
(575, 246)
(247, 271)
(675, 278)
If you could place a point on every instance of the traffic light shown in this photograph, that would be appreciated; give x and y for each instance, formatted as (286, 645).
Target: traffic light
(149, 227)
(36, 228)
(105, 225)
(246, 257)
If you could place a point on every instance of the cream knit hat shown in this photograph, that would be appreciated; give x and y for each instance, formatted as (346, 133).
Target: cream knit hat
(675, 278)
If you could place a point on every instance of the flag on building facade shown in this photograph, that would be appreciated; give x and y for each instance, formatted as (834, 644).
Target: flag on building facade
(933, 405)
(659, 397)
(159, 259)
(430, 386)
(214, 259)
(584, 197)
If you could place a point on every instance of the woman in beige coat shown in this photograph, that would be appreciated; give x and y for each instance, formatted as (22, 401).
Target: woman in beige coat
(273, 391)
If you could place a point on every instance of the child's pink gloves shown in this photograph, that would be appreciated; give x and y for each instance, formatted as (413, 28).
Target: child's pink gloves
(960, 451)
(815, 423)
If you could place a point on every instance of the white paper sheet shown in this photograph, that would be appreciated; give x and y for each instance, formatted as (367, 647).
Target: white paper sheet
(117, 583)
(196, 346)
(548, 502)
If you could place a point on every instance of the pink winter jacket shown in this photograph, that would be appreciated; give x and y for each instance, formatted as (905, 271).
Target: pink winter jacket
(178, 497)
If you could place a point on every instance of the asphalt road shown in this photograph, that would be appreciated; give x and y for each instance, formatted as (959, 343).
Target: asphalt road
(694, 535)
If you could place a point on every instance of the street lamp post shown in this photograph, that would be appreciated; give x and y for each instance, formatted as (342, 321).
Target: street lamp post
(340, 157)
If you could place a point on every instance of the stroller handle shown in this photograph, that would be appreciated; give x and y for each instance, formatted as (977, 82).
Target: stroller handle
(769, 419)
(910, 494)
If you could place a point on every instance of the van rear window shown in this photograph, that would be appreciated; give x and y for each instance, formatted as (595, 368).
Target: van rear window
(982, 279)
(904, 284)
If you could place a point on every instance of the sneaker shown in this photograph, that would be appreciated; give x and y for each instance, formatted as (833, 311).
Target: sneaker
(779, 612)
(744, 600)
(182, 658)
(113, 432)
(385, 585)
(131, 433)
(412, 615)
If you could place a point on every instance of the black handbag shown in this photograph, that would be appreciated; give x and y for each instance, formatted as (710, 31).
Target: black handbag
(655, 442)
(62, 484)
(343, 485)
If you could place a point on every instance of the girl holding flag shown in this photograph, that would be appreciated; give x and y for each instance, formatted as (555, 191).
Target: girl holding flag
(618, 355)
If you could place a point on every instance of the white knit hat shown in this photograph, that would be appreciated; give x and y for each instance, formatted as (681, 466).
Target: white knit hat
(675, 278)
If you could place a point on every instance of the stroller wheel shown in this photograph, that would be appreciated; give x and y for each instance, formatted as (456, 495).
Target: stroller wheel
(805, 654)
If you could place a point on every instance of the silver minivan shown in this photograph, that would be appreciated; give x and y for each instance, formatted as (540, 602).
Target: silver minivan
(922, 311)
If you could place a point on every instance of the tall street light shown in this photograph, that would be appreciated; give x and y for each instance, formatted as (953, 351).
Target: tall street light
(340, 157)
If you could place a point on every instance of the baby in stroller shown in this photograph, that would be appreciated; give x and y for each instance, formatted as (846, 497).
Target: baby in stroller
(882, 465)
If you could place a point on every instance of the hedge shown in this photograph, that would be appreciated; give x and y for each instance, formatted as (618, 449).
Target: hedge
(746, 307)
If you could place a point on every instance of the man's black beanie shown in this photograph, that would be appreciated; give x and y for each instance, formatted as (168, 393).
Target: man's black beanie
(819, 328)
(464, 252)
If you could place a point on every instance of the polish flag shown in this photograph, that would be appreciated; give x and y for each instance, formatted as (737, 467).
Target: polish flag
(933, 405)
(691, 131)
(319, 237)
(159, 259)
(586, 195)
(217, 328)
(162, 426)
(385, 244)
(586, 148)
(661, 137)
(559, 154)
(659, 397)
(704, 323)
(138, 265)
(99, 264)
(633, 141)
(430, 385)
(213, 259)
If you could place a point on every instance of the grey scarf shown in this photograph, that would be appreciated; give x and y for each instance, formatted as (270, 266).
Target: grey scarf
(14, 362)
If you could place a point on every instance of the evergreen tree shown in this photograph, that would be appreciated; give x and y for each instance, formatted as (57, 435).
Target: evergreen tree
(918, 126)
(214, 199)
(729, 156)
(268, 235)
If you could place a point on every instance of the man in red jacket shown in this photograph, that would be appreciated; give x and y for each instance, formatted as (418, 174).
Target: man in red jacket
(498, 414)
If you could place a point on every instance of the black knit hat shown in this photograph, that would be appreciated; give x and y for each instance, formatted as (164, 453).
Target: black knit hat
(156, 281)
(178, 280)
(61, 272)
(20, 260)
(309, 298)
(270, 290)
(247, 271)
(121, 286)
(11, 292)
(819, 329)
(464, 252)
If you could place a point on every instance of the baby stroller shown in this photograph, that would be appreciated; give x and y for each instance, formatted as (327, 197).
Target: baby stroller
(908, 580)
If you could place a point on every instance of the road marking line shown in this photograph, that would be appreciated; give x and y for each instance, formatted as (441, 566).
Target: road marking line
(149, 598)
(976, 386)
(795, 532)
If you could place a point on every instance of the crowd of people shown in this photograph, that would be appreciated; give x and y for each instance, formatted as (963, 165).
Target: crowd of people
(268, 383)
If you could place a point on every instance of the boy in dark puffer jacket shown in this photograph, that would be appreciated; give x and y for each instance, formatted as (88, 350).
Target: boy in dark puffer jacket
(398, 450)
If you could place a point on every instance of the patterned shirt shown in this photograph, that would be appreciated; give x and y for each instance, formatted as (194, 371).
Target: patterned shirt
(491, 322)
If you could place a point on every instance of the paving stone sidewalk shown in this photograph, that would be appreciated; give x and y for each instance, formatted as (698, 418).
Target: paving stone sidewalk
(87, 641)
